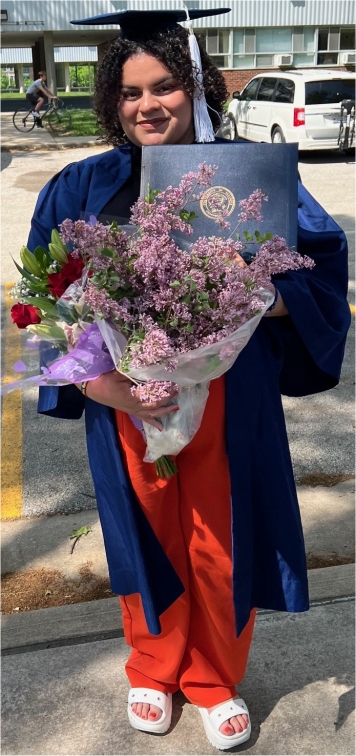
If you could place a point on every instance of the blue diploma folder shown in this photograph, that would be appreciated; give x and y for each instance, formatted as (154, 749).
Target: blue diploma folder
(242, 168)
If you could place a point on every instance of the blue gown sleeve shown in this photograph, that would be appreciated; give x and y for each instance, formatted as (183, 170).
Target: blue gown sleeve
(311, 340)
(59, 199)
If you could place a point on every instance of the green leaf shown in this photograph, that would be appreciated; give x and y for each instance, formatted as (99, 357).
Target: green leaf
(47, 332)
(248, 237)
(43, 258)
(174, 284)
(151, 195)
(107, 252)
(81, 531)
(48, 307)
(188, 216)
(173, 322)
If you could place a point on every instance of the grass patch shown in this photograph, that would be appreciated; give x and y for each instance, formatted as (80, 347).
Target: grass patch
(84, 123)
(61, 95)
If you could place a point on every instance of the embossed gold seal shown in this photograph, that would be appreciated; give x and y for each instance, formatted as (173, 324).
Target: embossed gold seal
(217, 200)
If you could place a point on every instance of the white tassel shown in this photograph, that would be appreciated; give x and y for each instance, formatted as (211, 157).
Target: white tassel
(203, 126)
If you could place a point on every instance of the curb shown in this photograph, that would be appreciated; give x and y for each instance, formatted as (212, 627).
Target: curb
(99, 620)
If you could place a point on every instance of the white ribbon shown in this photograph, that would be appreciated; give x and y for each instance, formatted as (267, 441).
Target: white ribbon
(203, 126)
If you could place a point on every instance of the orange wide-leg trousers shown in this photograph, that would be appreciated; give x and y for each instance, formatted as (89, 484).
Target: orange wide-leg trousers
(197, 650)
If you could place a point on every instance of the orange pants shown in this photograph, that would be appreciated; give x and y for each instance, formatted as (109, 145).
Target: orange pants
(197, 650)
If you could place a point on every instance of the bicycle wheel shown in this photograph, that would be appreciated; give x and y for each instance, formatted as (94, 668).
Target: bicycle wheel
(23, 120)
(59, 121)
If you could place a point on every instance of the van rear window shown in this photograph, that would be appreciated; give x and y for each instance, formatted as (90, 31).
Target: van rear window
(326, 92)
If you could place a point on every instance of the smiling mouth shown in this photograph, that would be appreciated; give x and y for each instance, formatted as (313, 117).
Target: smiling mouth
(153, 122)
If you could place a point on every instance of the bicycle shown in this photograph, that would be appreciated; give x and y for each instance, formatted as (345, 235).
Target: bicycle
(58, 118)
(347, 125)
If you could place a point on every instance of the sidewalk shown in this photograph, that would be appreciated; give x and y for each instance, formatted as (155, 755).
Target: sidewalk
(71, 699)
(64, 685)
(39, 139)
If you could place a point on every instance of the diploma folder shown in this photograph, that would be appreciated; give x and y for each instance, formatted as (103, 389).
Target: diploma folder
(242, 168)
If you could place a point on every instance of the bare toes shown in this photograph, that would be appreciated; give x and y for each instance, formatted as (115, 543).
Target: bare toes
(145, 710)
(154, 713)
(226, 728)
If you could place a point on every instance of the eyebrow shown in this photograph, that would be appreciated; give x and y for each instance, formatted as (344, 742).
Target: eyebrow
(156, 83)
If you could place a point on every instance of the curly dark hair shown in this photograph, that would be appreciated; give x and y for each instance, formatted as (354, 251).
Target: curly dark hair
(170, 47)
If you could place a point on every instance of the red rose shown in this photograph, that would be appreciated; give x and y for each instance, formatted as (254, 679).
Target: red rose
(71, 271)
(24, 315)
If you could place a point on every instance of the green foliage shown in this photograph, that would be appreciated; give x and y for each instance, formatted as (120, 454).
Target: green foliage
(81, 531)
(81, 76)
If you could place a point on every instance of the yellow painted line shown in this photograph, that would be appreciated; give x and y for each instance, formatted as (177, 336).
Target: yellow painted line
(11, 436)
(353, 309)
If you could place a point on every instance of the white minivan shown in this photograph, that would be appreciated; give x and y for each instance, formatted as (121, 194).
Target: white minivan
(292, 106)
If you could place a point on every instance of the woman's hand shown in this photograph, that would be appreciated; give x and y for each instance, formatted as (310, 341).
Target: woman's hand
(114, 390)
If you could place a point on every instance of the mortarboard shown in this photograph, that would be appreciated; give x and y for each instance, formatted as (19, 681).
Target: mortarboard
(133, 22)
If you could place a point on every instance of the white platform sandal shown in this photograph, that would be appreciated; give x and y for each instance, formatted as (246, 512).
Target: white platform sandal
(232, 708)
(153, 697)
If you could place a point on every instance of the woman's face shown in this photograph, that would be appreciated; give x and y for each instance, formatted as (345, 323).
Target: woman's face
(153, 107)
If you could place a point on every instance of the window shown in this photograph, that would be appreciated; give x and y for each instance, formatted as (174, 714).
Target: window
(273, 40)
(217, 45)
(266, 89)
(327, 59)
(326, 92)
(347, 39)
(303, 59)
(264, 61)
(284, 91)
(298, 39)
(244, 61)
(250, 40)
(303, 39)
(249, 93)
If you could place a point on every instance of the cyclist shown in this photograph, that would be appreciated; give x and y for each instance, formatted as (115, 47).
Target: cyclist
(35, 99)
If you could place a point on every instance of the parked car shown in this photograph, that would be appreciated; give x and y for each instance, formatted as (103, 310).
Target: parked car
(292, 106)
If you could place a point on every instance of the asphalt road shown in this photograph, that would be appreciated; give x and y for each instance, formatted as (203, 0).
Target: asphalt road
(52, 452)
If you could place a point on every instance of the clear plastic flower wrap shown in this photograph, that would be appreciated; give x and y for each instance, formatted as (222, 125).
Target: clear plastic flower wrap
(193, 372)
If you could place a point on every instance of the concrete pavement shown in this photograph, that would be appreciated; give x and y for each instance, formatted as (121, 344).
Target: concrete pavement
(71, 698)
(38, 139)
(44, 542)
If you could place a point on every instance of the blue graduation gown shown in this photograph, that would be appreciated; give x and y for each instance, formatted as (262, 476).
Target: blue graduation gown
(296, 355)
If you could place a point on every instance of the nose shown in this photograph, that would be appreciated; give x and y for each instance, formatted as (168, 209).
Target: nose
(148, 102)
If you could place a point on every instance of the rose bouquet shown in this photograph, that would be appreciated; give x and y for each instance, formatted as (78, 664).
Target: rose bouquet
(168, 312)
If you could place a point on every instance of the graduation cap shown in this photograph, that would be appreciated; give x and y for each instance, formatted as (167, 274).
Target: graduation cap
(133, 22)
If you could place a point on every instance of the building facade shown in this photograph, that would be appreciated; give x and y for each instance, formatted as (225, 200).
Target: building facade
(257, 35)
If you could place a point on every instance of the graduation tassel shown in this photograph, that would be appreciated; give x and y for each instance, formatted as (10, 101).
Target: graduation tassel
(203, 126)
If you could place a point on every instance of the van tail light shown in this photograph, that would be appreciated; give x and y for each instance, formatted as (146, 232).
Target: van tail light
(298, 117)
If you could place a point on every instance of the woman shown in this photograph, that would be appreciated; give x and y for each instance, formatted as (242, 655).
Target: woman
(193, 556)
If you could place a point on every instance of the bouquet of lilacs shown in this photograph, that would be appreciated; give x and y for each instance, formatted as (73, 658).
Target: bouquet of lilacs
(165, 312)
(174, 317)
